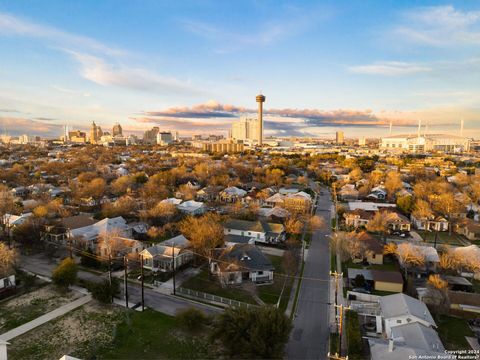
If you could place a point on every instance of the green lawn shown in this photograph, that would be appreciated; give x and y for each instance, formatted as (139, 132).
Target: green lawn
(443, 238)
(268, 293)
(452, 331)
(205, 283)
(387, 266)
(153, 335)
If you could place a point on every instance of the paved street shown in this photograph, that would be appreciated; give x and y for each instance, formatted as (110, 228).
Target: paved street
(310, 337)
(167, 304)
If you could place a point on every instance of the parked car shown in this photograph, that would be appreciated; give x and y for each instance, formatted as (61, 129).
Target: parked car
(361, 290)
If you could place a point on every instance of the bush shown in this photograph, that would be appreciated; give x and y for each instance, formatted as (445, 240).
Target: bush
(65, 274)
(191, 319)
(103, 291)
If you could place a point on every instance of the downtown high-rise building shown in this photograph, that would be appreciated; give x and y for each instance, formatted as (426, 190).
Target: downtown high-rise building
(246, 129)
(339, 137)
(117, 130)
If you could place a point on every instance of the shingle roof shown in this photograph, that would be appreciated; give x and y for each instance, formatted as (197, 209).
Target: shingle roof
(403, 305)
(242, 257)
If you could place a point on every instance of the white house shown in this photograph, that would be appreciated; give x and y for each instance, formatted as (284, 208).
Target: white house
(192, 207)
(90, 233)
(160, 256)
(399, 309)
(259, 231)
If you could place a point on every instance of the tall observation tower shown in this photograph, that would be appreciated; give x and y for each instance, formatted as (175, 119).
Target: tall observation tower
(260, 100)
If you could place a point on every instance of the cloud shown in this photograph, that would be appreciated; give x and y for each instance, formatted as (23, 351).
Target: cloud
(103, 73)
(98, 61)
(16, 126)
(216, 117)
(45, 119)
(9, 111)
(390, 68)
(13, 25)
(439, 26)
(290, 21)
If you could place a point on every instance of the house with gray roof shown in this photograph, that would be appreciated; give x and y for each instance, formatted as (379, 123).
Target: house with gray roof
(401, 309)
(160, 257)
(239, 263)
(408, 341)
(255, 231)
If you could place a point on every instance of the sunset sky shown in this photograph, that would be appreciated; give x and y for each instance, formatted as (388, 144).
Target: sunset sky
(196, 66)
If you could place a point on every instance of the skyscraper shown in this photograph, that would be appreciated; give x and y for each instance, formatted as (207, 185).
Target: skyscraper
(95, 133)
(246, 129)
(117, 130)
(339, 137)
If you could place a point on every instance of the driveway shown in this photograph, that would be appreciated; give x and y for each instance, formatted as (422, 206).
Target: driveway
(310, 336)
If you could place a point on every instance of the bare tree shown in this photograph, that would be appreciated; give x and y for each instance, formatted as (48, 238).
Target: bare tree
(410, 256)
(7, 260)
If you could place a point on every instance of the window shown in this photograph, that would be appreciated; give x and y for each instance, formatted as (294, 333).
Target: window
(260, 273)
(399, 321)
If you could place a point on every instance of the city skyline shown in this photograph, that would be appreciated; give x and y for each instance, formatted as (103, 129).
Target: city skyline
(186, 68)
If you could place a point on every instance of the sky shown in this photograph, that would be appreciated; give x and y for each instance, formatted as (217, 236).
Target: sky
(196, 66)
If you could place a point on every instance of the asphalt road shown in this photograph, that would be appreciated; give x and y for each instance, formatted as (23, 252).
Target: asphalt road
(310, 336)
(168, 304)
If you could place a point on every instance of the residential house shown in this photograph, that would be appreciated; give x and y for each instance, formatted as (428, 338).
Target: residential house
(357, 218)
(378, 193)
(159, 257)
(209, 193)
(117, 247)
(232, 194)
(379, 280)
(7, 284)
(429, 254)
(468, 228)
(400, 309)
(259, 231)
(192, 207)
(433, 223)
(397, 222)
(239, 263)
(348, 192)
(88, 235)
(298, 202)
(59, 232)
(373, 249)
(409, 341)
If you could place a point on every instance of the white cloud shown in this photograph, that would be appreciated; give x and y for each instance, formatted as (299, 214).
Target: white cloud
(390, 68)
(12, 25)
(103, 73)
(440, 26)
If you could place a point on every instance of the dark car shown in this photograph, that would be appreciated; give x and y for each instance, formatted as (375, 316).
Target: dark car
(361, 290)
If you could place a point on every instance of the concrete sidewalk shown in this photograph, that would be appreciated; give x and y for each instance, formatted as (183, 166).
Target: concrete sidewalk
(62, 310)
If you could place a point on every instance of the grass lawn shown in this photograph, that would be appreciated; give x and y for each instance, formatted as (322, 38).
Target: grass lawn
(19, 310)
(205, 283)
(270, 293)
(153, 335)
(443, 238)
(452, 331)
(387, 266)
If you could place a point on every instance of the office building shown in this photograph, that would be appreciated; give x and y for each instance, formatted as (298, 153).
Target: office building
(339, 137)
(224, 146)
(95, 133)
(164, 138)
(150, 136)
(117, 130)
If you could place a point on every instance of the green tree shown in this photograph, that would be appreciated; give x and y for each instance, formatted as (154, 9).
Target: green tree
(104, 291)
(405, 204)
(65, 274)
(191, 319)
(254, 332)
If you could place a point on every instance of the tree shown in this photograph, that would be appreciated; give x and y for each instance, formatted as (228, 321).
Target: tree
(379, 223)
(315, 223)
(393, 183)
(447, 205)
(7, 260)
(121, 185)
(422, 209)
(437, 293)
(348, 245)
(205, 233)
(405, 204)
(356, 174)
(104, 291)
(65, 274)
(161, 214)
(410, 256)
(294, 225)
(7, 206)
(253, 333)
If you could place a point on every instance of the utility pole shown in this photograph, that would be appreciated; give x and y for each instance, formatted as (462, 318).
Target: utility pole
(110, 273)
(334, 187)
(141, 273)
(173, 267)
(69, 243)
(340, 325)
(337, 276)
(125, 265)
